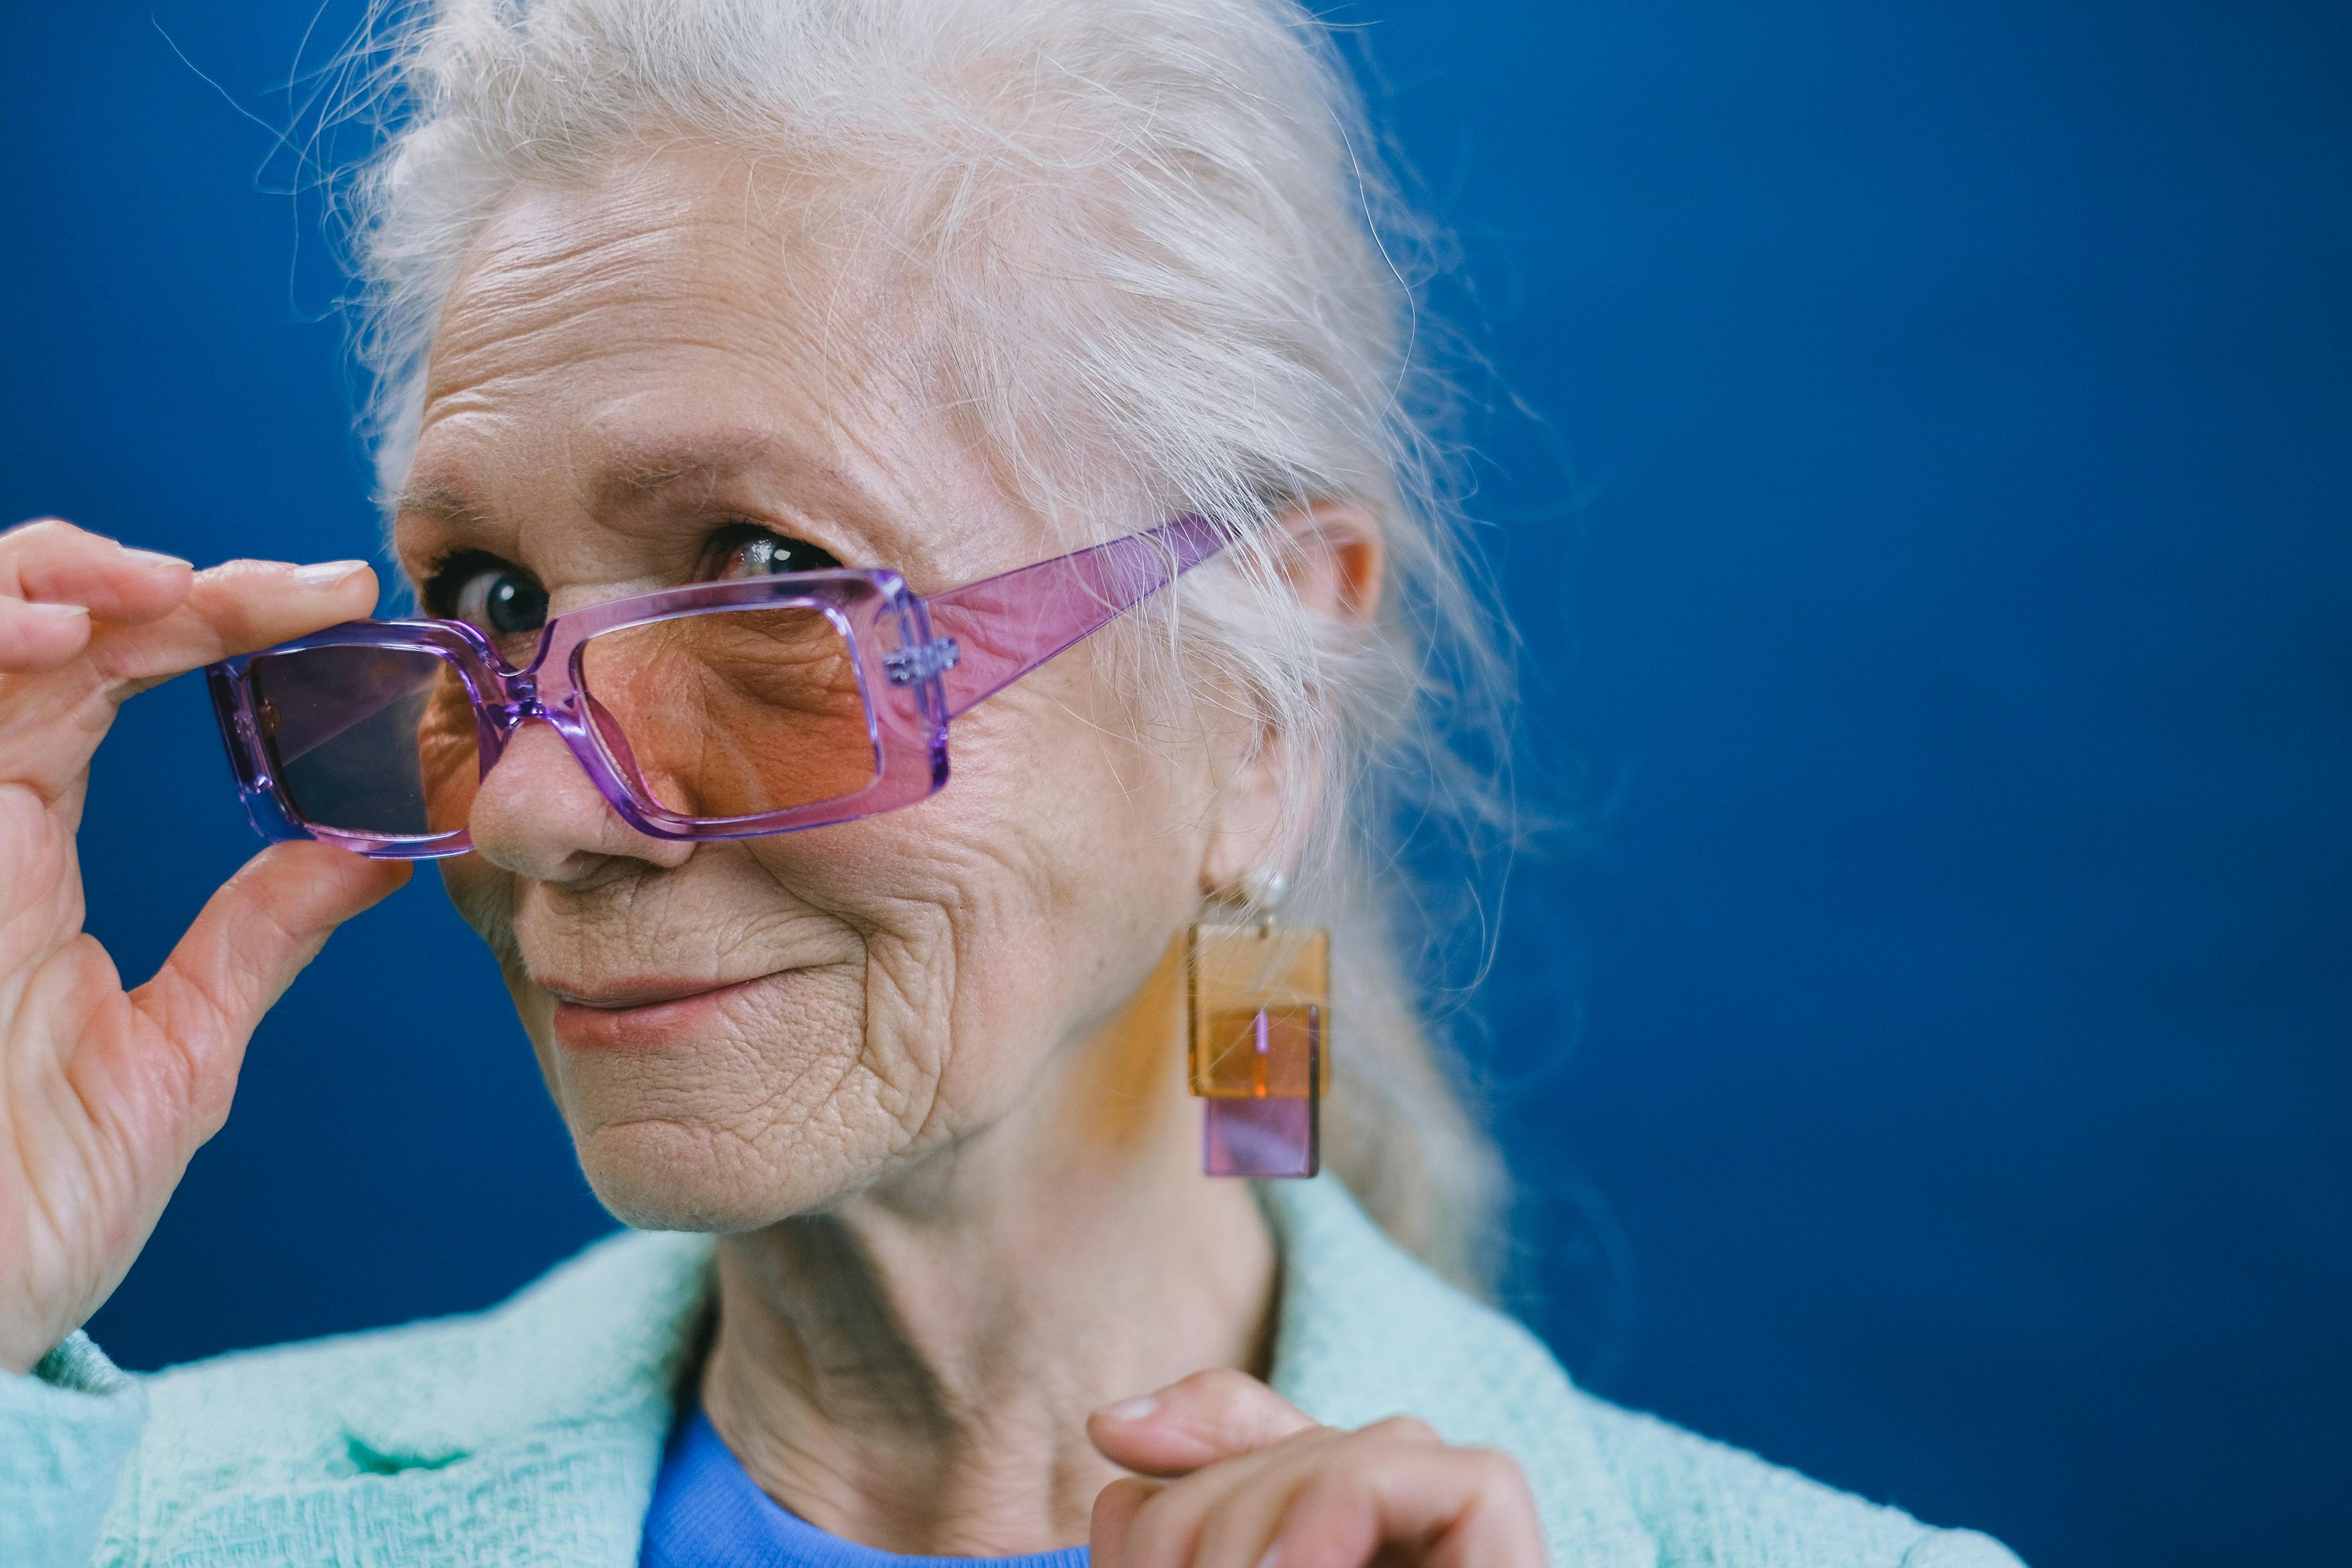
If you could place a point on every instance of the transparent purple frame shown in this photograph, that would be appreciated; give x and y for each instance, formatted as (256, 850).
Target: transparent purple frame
(920, 659)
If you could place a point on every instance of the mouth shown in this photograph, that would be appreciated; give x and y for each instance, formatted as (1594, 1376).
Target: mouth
(642, 1014)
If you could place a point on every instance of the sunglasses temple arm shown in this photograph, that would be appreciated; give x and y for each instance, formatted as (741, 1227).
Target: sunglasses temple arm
(1006, 625)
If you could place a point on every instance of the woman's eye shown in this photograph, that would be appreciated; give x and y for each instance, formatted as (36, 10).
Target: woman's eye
(501, 602)
(755, 553)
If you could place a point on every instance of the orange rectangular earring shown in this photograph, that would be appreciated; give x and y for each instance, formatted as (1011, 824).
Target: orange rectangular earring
(1257, 1003)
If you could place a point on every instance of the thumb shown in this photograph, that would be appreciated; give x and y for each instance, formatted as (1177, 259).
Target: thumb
(253, 937)
(1208, 1417)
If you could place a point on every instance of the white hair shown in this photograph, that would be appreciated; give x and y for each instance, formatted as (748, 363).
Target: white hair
(1166, 264)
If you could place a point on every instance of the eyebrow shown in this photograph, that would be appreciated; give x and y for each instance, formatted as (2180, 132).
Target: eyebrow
(443, 502)
(636, 474)
(633, 475)
(629, 476)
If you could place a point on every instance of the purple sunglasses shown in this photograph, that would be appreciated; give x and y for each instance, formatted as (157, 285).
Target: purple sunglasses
(711, 711)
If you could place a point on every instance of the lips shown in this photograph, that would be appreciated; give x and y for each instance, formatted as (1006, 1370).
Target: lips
(642, 1014)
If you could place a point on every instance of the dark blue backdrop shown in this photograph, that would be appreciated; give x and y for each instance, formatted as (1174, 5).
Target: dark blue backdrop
(1933, 1072)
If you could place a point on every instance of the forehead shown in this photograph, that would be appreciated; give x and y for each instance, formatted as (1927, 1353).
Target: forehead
(660, 260)
(674, 324)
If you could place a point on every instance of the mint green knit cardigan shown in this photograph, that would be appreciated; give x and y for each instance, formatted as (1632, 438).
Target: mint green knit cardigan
(530, 1433)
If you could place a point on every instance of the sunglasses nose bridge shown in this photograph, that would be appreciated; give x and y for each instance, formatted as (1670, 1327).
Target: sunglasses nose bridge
(512, 703)
(520, 701)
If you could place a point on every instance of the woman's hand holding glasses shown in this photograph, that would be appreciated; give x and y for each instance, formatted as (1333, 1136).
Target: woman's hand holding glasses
(106, 1093)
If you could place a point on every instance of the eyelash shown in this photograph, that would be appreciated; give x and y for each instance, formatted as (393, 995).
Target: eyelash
(447, 577)
(799, 554)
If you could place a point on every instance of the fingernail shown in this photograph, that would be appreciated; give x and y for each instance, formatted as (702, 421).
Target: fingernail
(327, 574)
(1130, 1409)
(156, 558)
(39, 608)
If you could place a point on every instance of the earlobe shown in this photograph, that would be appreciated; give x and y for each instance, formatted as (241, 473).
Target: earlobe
(1246, 830)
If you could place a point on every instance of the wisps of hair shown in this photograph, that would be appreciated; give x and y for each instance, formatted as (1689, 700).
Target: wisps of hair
(1166, 270)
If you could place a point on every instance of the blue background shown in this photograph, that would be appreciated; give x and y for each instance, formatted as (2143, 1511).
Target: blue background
(1928, 1061)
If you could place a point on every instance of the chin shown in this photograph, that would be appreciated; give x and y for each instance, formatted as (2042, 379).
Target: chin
(665, 1174)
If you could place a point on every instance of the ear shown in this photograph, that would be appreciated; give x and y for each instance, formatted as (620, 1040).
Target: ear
(1334, 564)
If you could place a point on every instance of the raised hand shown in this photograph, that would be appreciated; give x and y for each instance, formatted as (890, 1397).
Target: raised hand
(104, 1093)
(1247, 1481)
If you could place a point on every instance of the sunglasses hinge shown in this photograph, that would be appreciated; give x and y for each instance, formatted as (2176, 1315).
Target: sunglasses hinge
(923, 661)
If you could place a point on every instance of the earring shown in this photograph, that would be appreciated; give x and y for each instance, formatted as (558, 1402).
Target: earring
(1257, 1000)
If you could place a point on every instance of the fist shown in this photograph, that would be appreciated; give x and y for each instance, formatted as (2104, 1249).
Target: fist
(1237, 1478)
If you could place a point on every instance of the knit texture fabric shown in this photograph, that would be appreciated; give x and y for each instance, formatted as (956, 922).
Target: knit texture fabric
(531, 1433)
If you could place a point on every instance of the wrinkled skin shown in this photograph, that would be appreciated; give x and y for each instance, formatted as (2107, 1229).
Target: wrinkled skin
(922, 1070)
(606, 395)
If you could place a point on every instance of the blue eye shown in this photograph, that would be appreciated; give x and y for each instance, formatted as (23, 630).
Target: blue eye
(501, 602)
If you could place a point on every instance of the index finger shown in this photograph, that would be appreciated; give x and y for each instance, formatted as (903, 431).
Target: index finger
(240, 606)
(49, 561)
(1460, 1506)
(1211, 1415)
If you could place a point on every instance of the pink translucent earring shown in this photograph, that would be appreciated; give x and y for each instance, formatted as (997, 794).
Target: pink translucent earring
(1257, 1000)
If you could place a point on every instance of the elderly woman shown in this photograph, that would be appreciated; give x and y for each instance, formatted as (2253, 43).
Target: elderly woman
(917, 549)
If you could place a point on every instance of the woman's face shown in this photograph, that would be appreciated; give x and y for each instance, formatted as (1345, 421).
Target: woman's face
(649, 383)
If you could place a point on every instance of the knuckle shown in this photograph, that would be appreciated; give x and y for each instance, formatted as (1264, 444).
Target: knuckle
(1217, 1386)
(38, 528)
(1215, 1399)
(1493, 1470)
(44, 536)
(1347, 1483)
(1404, 1429)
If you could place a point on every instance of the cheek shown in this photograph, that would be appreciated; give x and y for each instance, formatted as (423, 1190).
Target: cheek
(448, 754)
(484, 897)
(769, 1102)
(1063, 859)
(943, 958)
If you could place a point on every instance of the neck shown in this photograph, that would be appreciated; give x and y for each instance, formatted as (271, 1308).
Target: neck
(912, 1368)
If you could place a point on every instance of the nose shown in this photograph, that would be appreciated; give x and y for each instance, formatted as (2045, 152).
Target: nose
(539, 814)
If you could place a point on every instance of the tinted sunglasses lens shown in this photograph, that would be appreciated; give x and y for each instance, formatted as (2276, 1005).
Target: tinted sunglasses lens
(369, 740)
(735, 713)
